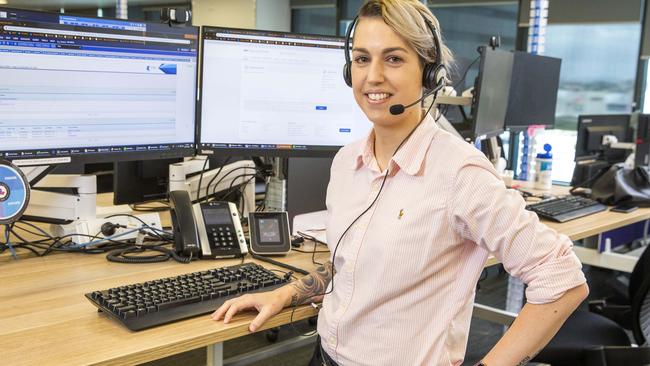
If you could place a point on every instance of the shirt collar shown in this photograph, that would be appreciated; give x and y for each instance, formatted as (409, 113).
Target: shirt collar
(410, 156)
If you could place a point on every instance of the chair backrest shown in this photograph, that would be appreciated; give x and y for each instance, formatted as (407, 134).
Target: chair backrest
(639, 273)
(640, 298)
(616, 356)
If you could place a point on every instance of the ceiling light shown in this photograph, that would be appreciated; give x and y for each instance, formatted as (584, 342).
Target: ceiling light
(3, 2)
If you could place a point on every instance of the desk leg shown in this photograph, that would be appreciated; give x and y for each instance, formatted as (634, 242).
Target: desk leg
(514, 296)
(215, 354)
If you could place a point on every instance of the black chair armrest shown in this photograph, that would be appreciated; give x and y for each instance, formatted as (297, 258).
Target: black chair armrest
(620, 314)
(614, 356)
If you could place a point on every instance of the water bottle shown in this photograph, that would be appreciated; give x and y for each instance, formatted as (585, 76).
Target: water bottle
(543, 166)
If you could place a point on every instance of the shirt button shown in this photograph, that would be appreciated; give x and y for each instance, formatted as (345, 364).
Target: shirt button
(332, 340)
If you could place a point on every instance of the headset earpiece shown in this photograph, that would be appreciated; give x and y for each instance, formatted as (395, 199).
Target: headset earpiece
(347, 68)
(347, 74)
(434, 76)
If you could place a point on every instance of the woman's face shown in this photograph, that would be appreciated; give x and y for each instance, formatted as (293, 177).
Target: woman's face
(385, 71)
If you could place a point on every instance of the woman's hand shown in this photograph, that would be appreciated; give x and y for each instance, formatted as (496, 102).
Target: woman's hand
(266, 303)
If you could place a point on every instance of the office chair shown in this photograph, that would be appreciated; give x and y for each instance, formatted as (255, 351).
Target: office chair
(590, 339)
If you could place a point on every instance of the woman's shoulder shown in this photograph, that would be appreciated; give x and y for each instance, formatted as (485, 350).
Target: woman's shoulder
(453, 151)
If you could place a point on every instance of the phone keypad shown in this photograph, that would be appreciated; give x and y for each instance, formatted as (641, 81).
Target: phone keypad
(223, 236)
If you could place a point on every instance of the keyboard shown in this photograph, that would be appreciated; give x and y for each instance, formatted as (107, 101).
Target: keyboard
(148, 304)
(566, 208)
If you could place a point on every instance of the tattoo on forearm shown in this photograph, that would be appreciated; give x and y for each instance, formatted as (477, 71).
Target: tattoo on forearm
(524, 361)
(312, 285)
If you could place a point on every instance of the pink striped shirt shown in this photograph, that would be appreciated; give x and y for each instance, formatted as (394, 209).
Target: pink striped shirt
(407, 270)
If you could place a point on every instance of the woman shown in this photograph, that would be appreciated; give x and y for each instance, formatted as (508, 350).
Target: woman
(413, 214)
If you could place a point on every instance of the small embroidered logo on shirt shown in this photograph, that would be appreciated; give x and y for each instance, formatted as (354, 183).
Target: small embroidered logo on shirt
(401, 213)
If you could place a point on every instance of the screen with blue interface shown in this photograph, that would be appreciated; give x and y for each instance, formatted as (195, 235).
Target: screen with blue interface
(274, 93)
(94, 89)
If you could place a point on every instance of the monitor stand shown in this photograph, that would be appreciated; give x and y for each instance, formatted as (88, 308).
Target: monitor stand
(275, 199)
(60, 198)
(186, 176)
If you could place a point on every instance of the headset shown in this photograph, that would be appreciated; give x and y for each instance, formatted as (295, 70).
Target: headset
(434, 74)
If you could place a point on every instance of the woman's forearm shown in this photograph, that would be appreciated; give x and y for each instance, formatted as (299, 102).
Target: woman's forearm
(309, 288)
(534, 327)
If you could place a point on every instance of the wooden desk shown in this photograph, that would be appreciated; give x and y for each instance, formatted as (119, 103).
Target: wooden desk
(46, 320)
(593, 225)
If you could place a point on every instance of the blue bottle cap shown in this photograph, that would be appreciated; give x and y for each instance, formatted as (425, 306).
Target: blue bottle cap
(547, 154)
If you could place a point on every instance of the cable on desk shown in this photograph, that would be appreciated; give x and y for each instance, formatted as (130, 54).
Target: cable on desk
(7, 242)
(279, 264)
(140, 208)
(122, 255)
(314, 251)
(51, 244)
(157, 232)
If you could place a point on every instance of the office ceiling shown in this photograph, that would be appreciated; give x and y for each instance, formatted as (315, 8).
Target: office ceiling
(71, 4)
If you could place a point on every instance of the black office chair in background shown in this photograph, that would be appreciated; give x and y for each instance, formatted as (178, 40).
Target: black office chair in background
(591, 338)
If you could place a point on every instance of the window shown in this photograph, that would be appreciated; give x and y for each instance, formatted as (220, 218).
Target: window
(597, 77)
(465, 27)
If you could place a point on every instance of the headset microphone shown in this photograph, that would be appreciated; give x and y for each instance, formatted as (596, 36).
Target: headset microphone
(398, 109)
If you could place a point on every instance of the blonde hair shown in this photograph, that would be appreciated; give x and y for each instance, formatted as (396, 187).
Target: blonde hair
(407, 18)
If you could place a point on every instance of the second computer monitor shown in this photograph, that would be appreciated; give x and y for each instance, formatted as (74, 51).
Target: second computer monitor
(276, 94)
(491, 91)
(533, 90)
(592, 129)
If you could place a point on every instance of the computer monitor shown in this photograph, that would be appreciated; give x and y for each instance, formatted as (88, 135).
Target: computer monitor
(275, 94)
(533, 91)
(141, 181)
(592, 128)
(491, 92)
(81, 89)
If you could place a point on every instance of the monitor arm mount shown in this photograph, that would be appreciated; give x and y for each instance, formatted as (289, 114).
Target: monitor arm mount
(59, 198)
(186, 176)
(611, 141)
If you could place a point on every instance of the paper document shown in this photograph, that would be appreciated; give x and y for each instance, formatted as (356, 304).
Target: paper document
(313, 223)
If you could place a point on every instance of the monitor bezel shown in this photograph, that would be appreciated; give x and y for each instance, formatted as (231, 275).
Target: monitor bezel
(107, 157)
(314, 151)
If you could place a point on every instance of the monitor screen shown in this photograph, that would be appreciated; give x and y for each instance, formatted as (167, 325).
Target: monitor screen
(94, 89)
(592, 129)
(533, 90)
(491, 91)
(277, 94)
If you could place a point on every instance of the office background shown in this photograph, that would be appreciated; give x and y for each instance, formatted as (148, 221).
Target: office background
(602, 44)
(603, 47)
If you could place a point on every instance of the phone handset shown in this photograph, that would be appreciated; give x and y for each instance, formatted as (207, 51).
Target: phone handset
(186, 237)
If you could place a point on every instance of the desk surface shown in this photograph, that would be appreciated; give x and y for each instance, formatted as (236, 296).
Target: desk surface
(591, 225)
(46, 320)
